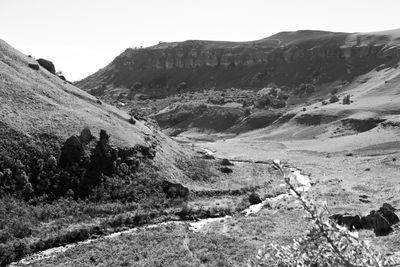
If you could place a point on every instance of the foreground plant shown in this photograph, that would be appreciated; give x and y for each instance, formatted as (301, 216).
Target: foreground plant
(325, 244)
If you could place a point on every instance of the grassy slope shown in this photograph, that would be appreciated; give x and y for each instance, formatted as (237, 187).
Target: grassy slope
(36, 102)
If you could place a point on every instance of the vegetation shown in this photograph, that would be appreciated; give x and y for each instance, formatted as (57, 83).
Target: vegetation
(325, 244)
(195, 168)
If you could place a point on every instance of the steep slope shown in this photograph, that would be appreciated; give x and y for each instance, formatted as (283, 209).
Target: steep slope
(37, 106)
(286, 58)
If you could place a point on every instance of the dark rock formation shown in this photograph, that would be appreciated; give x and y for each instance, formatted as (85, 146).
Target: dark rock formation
(348, 221)
(380, 225)
(132, 120)
(254, 198)
(334, 99)
(380, 221)
(346, 100)
(47, 64)
(175, 190)
(226, 162)
(225, 169)
(33, 66)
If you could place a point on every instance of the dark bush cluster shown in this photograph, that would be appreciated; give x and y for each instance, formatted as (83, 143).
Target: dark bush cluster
(84, 163)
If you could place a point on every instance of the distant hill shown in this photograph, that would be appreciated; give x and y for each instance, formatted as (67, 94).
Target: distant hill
(286, 58)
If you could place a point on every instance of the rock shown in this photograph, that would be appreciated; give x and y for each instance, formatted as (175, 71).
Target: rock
(174, 190)
(132, 120)
(47, 64)
(226, 162)
(346, 100)
(86, 136)
(99, 102)
(225, 169)
(71, 151)
(388, 207)
(208, 156)
(348, 221)
(334, 99)
(367, 222)
(387, 211)
(62, 77)
(33, 66)
(254, 198)
(381, 225)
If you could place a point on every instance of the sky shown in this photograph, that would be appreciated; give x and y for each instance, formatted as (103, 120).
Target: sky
(82, 36)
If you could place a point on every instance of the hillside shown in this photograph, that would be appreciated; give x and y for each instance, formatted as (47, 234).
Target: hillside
(286, 59)
(73, 168)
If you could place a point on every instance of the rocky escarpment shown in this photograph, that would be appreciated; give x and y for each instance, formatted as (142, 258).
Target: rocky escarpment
(287, 58)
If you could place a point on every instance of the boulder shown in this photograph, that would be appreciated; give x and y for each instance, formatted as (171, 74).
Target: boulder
(226, 162)
(254, 198)
(208, 156)
(334, 99)
(225, 169)
(71, 151)
(33, 66)
(132, 120)
(346, 100)
(381, 225)
(174, 190)
(387, 212)
(47, 64)
(348, 221)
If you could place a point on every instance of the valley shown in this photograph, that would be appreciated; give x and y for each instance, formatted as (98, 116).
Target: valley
(126, 169)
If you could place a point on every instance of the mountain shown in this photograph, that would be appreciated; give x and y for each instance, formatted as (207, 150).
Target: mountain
(286, 58)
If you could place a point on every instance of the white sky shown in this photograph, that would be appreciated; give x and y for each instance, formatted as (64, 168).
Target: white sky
(82, 36)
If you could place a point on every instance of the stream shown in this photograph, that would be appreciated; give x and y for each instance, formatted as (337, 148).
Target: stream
(299, 180)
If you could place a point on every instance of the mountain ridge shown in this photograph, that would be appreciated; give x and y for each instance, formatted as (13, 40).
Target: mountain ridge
(286, 58)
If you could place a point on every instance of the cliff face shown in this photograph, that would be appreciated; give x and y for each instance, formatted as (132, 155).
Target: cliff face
(287, 58)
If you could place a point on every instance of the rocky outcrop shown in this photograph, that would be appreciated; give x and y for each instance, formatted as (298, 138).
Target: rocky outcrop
(380, 221)
(287, 58)
(47, 64)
